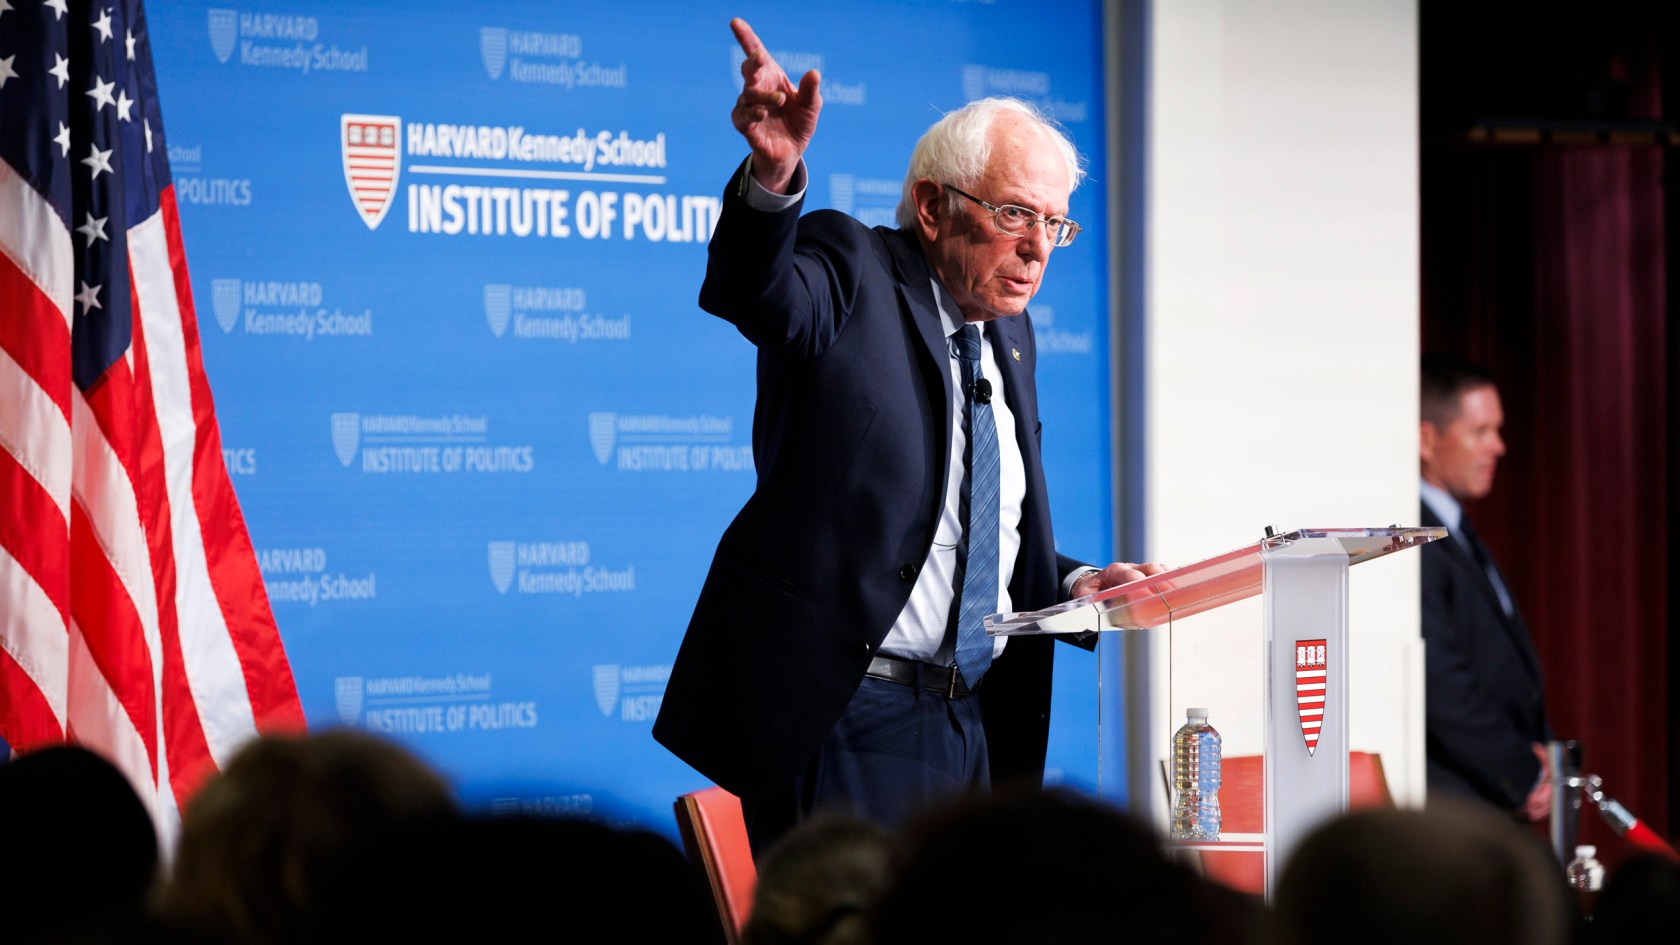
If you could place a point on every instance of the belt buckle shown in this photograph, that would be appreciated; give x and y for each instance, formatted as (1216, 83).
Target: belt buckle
(951, 687)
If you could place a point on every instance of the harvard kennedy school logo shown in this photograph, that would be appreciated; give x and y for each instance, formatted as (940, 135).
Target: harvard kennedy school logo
(224, 300)
(498, 305)
(224, 32)
(501, 565)
(606, 687)
(1309, 689)
(347, 694)
(346, 435)
(370, 146)
(601, 429)
(492, 48)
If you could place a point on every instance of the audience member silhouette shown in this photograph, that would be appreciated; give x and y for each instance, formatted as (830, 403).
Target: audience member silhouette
(523, 878)
(817, 884)
(265, 840)
(1446, 875)
(344, 837)
(77, 850)
(1640, 902)
(1049, 867)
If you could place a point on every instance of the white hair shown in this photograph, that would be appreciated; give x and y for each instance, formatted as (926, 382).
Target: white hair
(957, 148)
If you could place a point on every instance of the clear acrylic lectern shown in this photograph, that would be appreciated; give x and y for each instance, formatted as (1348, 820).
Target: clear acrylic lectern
(1302, 576)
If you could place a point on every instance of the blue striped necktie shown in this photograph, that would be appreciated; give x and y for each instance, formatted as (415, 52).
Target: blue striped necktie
(979, 506)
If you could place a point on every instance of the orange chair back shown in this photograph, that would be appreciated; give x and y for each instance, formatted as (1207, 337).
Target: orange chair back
(1242, 809)
(715, 836)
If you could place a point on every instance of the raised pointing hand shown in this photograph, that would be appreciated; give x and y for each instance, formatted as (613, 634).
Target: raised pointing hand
(776, 118)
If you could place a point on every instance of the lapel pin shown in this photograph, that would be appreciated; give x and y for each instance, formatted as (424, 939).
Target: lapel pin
(1016, 352)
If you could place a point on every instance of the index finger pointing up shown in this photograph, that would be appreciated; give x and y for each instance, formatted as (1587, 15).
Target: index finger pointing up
(746, 37)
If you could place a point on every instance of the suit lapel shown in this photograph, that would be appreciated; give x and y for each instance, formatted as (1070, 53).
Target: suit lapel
(1513, 626)
(1466, 562)
(915, 288)
(1009, 342)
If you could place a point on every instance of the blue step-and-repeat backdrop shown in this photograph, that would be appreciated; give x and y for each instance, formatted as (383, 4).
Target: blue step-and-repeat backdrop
(446, 258)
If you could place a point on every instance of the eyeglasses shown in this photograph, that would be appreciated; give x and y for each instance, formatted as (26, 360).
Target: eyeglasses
(1019, 221)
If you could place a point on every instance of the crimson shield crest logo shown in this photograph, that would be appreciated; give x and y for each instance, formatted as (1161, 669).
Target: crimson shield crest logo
(1309, 689)
(369, 144)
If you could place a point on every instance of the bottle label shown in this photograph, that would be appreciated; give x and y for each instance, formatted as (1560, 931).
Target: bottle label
(1309, 689)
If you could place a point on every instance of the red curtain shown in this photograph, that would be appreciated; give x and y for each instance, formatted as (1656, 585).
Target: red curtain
(1547, 265)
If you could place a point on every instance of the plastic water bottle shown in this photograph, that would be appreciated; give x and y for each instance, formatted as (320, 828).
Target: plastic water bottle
(1196, 763)
(1585, 876)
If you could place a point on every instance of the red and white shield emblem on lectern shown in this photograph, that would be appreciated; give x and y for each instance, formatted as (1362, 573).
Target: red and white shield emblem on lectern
(370, 145)
(1309, 689)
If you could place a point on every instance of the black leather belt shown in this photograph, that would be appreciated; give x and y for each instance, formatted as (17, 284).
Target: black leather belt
(945, 680)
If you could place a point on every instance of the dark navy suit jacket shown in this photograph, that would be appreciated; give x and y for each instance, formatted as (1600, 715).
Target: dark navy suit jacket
(1485, 706)
(851, 435)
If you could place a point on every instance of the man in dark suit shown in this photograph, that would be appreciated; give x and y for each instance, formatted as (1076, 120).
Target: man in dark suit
(1486, 722)
(836, 657)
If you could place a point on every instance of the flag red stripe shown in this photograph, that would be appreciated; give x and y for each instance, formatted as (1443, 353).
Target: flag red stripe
(35, 334)
(211, 667)
(25, 717)
(33, 531)
(185, 746)
(113, 630)
(227, 543)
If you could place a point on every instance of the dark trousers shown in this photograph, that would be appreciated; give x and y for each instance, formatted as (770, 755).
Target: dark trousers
(896, 751)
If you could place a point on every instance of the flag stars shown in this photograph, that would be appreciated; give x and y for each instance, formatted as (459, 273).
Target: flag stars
(101, 93)
(6, 70)
(89, 297)
(94, 229)
(57, 6)
(124, 105)
(146, 123)
(99, 161)
(103, 25)
(62, 139)
(60, 70)
(128, 43)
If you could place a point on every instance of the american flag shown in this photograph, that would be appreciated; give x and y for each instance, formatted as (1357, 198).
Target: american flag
(133, 618)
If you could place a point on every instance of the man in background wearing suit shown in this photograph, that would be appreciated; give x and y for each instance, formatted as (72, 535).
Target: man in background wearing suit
(836, 657)
(1486, 721)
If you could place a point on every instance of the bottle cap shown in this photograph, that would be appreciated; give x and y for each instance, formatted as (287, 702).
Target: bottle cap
(1586, 852)
(1196, 713)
